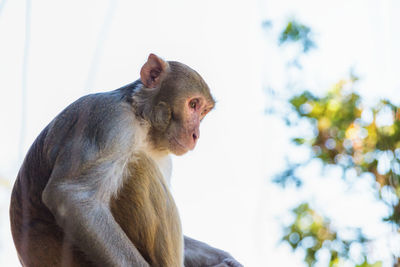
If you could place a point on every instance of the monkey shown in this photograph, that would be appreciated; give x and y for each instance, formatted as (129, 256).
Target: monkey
(93, 189)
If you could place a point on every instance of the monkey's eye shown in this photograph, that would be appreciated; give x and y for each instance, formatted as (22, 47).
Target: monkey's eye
(193, 103)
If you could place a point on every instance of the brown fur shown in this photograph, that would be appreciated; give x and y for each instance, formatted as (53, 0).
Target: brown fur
(146, 211)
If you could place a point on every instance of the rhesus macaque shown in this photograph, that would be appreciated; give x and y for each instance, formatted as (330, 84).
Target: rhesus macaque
(93, 188)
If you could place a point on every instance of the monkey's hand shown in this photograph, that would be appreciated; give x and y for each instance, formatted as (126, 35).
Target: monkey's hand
(200, 254)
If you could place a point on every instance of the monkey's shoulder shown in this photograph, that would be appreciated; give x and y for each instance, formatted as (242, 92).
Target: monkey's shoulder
(95, 116)
(99, 106)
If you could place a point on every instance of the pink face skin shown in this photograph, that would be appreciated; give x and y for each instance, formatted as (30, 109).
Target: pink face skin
(196, 108)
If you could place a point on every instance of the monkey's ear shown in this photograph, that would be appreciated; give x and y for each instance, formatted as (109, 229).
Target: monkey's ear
(152, 71)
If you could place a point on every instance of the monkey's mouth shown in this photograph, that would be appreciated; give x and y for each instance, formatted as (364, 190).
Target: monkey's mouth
(180, 146)
(176, 141)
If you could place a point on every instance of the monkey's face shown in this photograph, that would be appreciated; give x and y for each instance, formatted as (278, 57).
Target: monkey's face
(174, 100)
(184, 130)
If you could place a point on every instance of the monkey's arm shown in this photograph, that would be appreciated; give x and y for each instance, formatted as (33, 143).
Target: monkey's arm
(200, 254)
(88, 169)
(85, 217)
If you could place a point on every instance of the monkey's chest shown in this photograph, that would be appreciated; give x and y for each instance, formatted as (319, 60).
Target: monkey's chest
(147, 213)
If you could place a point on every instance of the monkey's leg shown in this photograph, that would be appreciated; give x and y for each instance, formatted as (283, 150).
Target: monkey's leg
(41, 245)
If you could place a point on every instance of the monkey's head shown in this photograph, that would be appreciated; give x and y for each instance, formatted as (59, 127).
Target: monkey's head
(173, 100)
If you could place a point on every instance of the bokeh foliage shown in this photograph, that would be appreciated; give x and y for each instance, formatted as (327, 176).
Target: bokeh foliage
(347, 133)
(350, 136)
(296, 32)
(312, 232)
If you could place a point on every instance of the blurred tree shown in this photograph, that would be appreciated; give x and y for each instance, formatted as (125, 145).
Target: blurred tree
(296, 32)
(312, 232)
(347, 134)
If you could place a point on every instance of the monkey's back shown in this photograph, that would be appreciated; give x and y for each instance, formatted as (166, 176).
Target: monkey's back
(146, 211)
(38, 239)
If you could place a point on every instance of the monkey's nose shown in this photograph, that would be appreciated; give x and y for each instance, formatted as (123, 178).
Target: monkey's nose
(195, 137)
(196, 134)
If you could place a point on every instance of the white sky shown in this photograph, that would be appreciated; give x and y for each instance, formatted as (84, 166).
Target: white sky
(222, 188)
